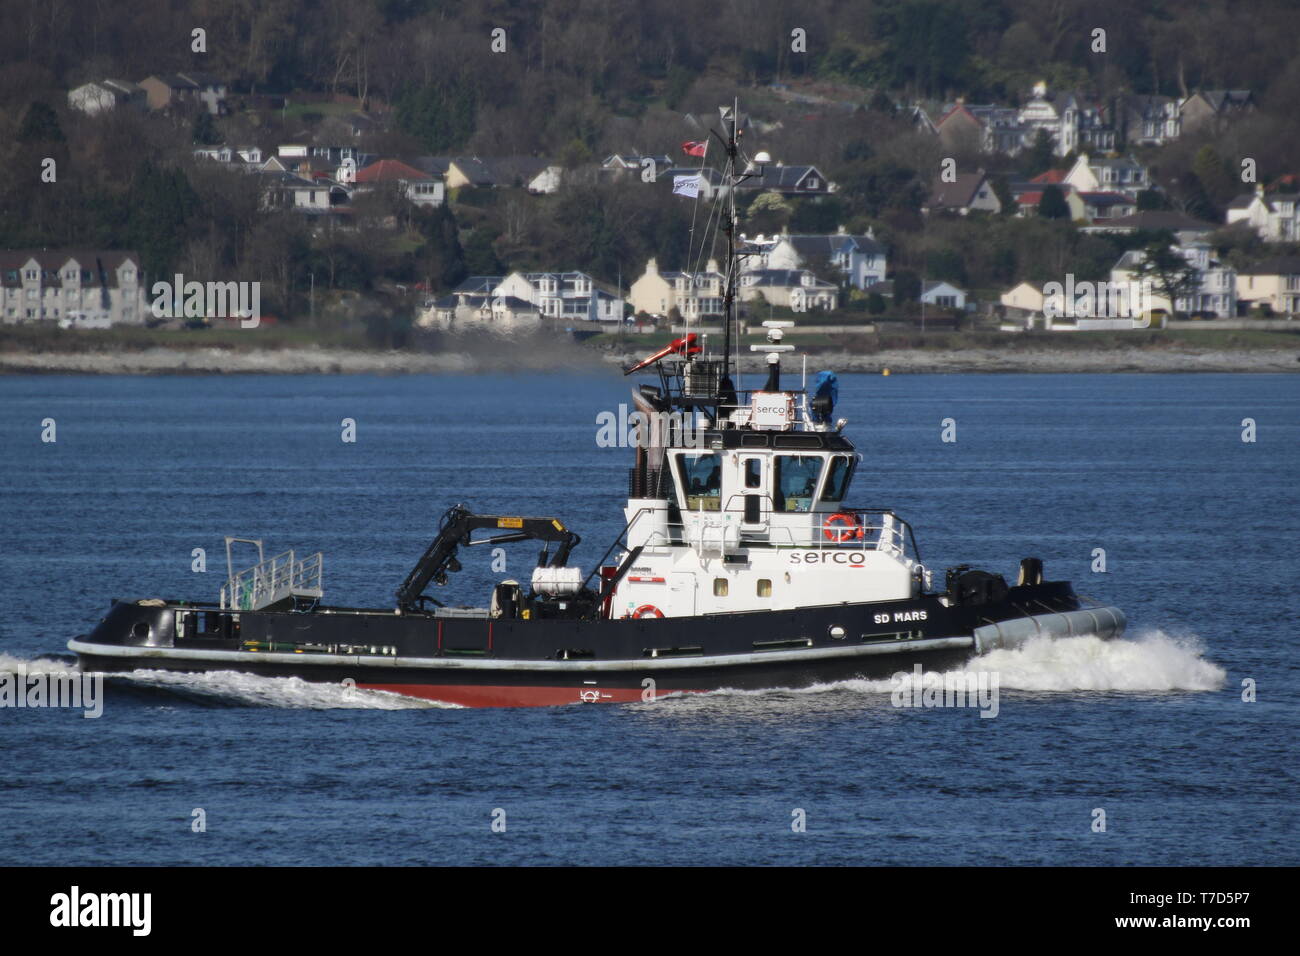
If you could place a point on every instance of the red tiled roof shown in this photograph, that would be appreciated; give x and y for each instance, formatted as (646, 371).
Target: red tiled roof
(1054, 176)
(386, 170)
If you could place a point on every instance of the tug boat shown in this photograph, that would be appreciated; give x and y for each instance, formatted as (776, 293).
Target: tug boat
(741, 565)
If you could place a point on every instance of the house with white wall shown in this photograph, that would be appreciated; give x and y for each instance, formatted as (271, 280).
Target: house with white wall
(860, 260)
(1124, 175)
(796, 289)
(74, 288)
(1216, 288)
(572, 296)
(103, 95)
(1275, 216)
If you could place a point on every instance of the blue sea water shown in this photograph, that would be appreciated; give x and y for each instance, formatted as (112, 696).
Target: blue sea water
(1199, 530)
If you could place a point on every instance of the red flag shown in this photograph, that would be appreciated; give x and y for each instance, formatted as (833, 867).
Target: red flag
(695, 149)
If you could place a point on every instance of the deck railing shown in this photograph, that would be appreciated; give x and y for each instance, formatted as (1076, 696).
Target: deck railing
(274, 580)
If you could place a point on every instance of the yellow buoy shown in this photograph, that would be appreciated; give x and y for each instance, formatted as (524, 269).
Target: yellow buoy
(884, 371)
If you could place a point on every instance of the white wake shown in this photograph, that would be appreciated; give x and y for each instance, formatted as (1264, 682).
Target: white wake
(232, 688)
(1149, 662)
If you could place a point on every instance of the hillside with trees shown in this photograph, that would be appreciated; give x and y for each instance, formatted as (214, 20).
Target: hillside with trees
(577, 81)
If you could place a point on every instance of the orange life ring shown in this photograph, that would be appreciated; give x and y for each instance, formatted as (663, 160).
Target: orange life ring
(841, 527)
(645, 610)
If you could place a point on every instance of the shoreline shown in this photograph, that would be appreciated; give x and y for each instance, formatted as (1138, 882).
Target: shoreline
(320, 361)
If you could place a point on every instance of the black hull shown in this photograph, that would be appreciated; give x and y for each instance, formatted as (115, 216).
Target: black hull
(477, 661)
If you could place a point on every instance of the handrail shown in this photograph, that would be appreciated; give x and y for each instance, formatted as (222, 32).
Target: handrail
(268, 581)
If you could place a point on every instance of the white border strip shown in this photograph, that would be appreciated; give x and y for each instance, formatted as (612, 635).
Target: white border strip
(639, 664)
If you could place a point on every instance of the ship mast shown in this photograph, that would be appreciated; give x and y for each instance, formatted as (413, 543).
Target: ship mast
(730, 143)
(729, 121)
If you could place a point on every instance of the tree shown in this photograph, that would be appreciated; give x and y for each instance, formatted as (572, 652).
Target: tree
(818, 216)
(481, 257)
(1041, 154)
(442, 260)
(440, 116)
(1150, 199)
(40, 125)
(205, 130)
(907, 287)
(875, 303)
(768, 212)
(1170, 274)
(1052, 205)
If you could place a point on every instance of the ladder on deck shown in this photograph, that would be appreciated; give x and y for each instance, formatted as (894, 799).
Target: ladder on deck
(279, 580)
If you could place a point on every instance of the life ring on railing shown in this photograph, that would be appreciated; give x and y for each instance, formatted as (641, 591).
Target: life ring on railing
(646, 610)
(841, 527)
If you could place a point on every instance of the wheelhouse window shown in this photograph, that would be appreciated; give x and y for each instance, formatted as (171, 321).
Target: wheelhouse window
(701, 480)
(837, 481)
(796, 481)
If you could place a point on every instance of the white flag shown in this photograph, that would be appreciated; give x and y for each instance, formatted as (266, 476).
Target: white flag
(686, 186)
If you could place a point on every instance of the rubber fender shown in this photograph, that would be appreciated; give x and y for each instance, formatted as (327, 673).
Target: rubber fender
(1102, 622)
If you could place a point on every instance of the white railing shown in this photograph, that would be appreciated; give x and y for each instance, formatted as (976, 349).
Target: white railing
(274, 580)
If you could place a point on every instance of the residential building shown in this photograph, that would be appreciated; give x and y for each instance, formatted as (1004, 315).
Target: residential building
(987, 128)
(102, 95)
(796, 289)
(281, 190)
(533, 173)
(415, 185)
(72, 287)
(1211, 108)
(1185, 228)
(695, 295)
(1070, 121)
(1025, 301)
(1273, 284)
(1275, 216)
(1103, 205)
(248, 157)
(634, 165)
(1148, 120)
(1028, 195)
(860, 260)
(1124, 175)
(968, 192)
(1215, 292)
(172, 90)
(943, 295)
(790, 181)
(467, 310)
(572, 296)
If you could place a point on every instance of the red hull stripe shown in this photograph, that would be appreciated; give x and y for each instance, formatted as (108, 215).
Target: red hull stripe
(472, 695)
